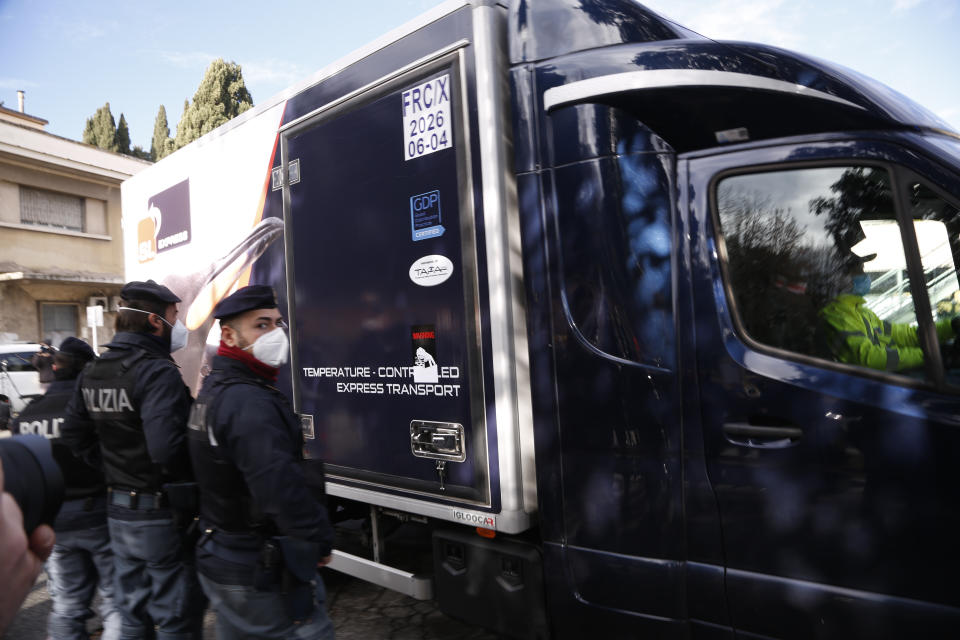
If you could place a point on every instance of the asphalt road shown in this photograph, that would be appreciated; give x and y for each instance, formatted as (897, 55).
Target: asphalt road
(360, 611)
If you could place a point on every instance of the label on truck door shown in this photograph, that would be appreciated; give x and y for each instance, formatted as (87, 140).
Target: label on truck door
(426, 118)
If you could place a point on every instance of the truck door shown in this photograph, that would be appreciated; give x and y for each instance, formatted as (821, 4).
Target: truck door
(613, 522)
(831, 447)
(382, 263)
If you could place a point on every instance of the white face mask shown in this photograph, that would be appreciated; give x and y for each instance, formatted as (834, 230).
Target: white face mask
(178, 332)
(272, 348)
(178, 336)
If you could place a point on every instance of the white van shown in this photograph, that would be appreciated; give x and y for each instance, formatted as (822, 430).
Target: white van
(19, 380)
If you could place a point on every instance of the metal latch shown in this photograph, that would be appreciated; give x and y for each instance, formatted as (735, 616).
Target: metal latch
(438, 440)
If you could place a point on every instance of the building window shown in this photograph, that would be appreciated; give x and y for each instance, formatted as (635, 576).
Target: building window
(51, 209)
(59, 321)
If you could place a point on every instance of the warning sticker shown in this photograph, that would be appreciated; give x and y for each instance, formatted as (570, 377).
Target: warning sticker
(426, 118)
(424, 338)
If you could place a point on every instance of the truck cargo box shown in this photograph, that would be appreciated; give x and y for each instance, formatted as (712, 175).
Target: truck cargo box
(373, 198)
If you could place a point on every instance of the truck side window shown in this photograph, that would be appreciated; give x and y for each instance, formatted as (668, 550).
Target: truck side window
(938, 235)
(613, 216)
(937, 224)
(816, 265)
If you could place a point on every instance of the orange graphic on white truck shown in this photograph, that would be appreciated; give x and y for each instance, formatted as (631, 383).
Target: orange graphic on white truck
(147, 230)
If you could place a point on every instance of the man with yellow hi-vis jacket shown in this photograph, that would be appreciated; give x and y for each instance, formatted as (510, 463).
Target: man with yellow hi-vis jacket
(856, 335)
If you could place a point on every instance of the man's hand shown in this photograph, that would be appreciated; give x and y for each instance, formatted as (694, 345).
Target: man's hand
(20, 563)
(322, 562)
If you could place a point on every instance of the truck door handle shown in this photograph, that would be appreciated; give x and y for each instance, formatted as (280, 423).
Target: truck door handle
(438, 440)
(762, 436)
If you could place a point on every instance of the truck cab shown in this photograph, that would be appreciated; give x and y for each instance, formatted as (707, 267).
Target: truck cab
(722, 456)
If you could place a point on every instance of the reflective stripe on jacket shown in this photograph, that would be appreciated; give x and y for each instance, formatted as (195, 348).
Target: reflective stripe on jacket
(858, 336)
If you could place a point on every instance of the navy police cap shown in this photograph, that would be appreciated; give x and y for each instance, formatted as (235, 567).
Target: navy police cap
(148, 290)
(77, 348)
(255, 296)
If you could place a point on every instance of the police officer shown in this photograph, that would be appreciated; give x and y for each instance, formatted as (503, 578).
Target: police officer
(266, 529)
(129, 414)
(81, 560)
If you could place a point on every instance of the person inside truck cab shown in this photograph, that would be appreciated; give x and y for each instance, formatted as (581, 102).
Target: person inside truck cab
(856, 335)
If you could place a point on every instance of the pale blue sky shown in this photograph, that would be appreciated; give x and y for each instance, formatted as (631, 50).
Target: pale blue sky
(70, 56)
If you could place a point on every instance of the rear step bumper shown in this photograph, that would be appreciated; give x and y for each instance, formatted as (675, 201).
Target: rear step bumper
(418, 587)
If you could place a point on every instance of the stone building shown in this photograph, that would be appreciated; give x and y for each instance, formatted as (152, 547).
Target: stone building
(61, 244)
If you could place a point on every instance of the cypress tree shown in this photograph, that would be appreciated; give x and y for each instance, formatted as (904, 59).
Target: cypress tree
(101, 130)
(123, 136)
(162, 144)
(173, 141)
(221, 96)
(88, 135)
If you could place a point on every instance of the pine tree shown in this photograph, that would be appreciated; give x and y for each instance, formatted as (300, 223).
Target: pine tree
(101, 131)
(123, 136)
(221, 96)
(162, 144)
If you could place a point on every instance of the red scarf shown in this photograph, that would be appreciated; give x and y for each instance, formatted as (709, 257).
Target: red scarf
(259, 368)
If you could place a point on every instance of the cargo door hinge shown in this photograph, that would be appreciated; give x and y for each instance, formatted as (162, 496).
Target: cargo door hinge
(293, 175)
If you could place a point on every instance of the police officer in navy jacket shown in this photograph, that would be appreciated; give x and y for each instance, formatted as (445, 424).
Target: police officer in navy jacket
(128, 415)
(81, 562)
(266, 529)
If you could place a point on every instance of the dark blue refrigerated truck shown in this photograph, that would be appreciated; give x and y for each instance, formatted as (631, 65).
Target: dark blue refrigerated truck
(574, 322)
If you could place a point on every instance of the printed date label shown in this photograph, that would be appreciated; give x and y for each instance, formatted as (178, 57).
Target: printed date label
(426, 118)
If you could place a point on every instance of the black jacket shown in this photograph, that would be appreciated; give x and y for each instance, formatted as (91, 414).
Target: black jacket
(44, 417)
(133, 424)
(246, 445)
